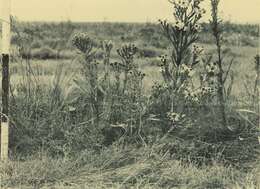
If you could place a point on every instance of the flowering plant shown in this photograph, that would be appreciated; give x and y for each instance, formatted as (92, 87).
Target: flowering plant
(178, 68)
(177, 91)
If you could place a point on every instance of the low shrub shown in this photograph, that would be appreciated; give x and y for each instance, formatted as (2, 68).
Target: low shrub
(149, 52)
(44, 53)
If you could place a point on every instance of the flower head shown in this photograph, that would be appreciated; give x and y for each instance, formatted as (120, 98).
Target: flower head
(82, 42)
(180, 25)
(175, 117)
(206, 91)
(198, 12)
(163, 59)
(184, 4)
(191, 94)
(187, 70)
(197, 27)
(197, 50)
(211, 68)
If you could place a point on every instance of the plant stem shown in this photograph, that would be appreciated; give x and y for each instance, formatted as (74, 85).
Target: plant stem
(215, 24)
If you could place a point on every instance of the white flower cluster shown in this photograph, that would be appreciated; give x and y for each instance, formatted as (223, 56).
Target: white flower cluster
(196, 95)
(211, 68)
(175, 117)
(191, 95)
(197, 27)
(198, 12)
(158, 86)
(72, 109)
(184, 4)
(206, 91)
(179, 25)
(197, 50)
(187, 70)
(163, 59)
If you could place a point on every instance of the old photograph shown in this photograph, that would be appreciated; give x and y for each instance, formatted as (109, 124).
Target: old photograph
(130, 94)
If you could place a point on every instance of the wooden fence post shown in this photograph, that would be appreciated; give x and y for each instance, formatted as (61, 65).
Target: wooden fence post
(6, 30)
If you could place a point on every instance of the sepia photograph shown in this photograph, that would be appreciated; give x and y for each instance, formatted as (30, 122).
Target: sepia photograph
(130, 94)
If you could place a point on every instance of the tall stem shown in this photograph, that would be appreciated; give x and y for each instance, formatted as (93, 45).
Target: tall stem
(215, 24)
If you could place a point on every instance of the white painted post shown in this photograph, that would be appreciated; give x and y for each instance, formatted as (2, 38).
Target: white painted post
(6, 32)
(4, 140)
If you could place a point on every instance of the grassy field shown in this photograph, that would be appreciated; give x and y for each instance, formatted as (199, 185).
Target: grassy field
(243, 67)
(57, 143)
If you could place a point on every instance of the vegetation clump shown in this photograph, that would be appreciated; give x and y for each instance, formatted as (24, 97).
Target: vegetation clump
(160, 112)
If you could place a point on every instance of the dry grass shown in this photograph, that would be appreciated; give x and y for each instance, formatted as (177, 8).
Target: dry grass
(122, 169)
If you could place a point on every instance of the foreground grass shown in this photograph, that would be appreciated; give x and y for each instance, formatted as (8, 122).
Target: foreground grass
(114, 168)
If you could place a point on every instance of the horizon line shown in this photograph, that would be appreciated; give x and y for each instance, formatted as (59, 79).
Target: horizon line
(125, 22)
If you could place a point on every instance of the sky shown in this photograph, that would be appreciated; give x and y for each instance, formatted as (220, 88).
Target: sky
(241, 11)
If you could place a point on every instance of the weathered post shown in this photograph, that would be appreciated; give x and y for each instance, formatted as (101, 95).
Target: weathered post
(258, 79)
(6, 29)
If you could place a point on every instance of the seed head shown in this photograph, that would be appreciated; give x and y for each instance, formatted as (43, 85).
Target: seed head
(83, 42)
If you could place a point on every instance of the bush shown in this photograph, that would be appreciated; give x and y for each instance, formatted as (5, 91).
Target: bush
(44, 53)
(67, 54)
(149, 52)
(43, 119)
(36, 44)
